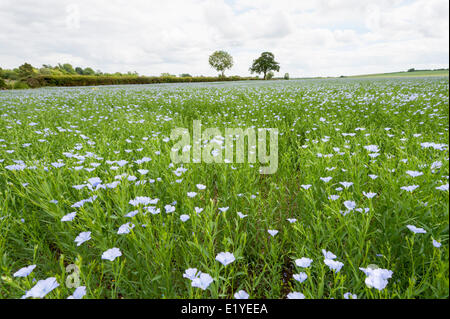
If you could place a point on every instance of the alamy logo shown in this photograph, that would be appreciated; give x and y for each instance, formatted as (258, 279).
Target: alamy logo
(73, 280)
(210, 146)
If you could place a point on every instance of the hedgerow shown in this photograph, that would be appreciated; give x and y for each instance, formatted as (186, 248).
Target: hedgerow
(83, 80)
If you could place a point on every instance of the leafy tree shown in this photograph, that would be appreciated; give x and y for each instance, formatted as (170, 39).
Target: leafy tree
(25, 70)
(68, 68)
(45, 71)
(221, 60)
(411, 70)
(88, 71)
(185, 75)
(79, 70)
(2, 83)
(10, 74)
(165, 74)
(286, 76)
(264, 64)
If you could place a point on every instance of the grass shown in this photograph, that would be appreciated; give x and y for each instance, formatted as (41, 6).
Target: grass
(87, 128)
(417, 73)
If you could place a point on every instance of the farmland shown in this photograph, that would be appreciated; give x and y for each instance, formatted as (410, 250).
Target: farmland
(358, 206)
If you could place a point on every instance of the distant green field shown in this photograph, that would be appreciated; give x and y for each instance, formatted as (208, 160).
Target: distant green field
(407, 74)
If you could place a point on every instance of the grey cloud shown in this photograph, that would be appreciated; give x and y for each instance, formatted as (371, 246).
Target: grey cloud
(309, 37)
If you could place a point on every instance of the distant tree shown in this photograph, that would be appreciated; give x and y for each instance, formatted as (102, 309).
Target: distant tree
(185, 75)
(79, 70)
(286, 76)
(265, 63)
(88, 71)
(166, 74)
(45, 71)
(25, 70)
(411, 70)
(220, 61)
(2, 83)
(68, 68)
(10, 74)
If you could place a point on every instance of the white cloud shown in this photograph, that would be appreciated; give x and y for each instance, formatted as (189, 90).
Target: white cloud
(308, 38)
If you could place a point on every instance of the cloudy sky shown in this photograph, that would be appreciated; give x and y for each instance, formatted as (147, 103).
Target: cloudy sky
(308, 38)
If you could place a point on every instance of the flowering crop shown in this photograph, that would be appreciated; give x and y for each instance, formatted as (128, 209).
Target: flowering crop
(357, 208)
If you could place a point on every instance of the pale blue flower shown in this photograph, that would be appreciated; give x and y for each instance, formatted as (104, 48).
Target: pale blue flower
(349, 295)
(132, 213)
(369, 195)
(225, 258)
(272, 232)
(241, 215)
(333, 264)
(112, 254)
(328, 254)
(409, 188)
(184, 217)
(436, 244)
(414, 173)
(95, 181)
(241, 294)
(376, 277)
(25, 271)
(142, 200)
(372, 148)
(79, 293)
(346, 184)
(82, 237)
(169, 208)
(202, 281)
(301, 277)
(350, 205)
(416, 230)
(198, 210)
(443, 187)
(42, 288)
(69, 217)
(303, 262)
(191, 273)
(152, 210)
(295, 295)
(125, 228)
